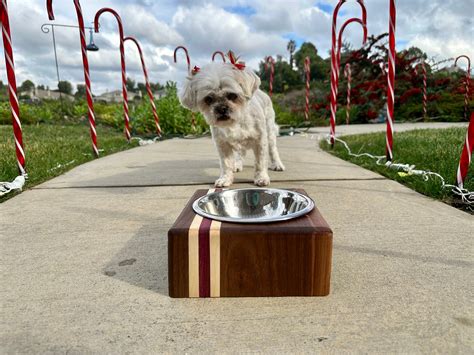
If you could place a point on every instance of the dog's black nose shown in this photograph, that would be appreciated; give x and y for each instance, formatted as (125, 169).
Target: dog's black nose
(222, 110)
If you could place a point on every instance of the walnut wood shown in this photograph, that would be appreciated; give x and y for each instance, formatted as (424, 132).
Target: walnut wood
(290, 258)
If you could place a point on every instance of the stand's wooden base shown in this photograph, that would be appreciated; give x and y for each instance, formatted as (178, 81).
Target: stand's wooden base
(208, 258)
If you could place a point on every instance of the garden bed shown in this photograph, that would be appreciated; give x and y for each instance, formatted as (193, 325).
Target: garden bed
(435, 150)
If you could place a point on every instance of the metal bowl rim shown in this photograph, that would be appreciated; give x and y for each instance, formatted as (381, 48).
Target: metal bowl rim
(300, 213)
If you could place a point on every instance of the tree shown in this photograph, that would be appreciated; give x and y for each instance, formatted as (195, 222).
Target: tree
(65, 87)
(156, 86)
(141, 87)
(130, 85)
(415, 53)
(319, 67)
(291, 48)
(81, 91)
(284, 79)
(27, 86)
(41, 87)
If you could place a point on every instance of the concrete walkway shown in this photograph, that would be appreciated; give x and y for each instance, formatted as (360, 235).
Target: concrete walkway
(84, 262)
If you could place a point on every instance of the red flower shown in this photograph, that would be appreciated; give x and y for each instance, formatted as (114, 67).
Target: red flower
(371, 114)
(409, 93)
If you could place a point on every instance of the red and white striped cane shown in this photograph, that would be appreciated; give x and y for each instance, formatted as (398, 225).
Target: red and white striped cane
(335, 65)
(468, 79)
(338, 53)
(348, 75)
(307, 69)
(188, 60)
(15, 108)
(218, 53)
(391, 82)
(147, 83)
(270, 60)
(424, 90)
(122, 61)
(425, 96)
(85, 64)
(466, 154)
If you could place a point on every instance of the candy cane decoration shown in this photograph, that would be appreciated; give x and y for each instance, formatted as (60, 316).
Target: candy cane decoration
(425, 96)
(338, 59)
(468, 79)
(188, 60)
(466, 154)
(10, 67)
(307, 69)
(85, 64)
(348, 75)
(147, 83)
(335, 65)
(122, 61)
(391, 82)
(270, 60)
(218, 53)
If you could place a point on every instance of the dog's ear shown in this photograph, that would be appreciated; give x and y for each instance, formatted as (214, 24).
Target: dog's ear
(188, 94)
(249, 81)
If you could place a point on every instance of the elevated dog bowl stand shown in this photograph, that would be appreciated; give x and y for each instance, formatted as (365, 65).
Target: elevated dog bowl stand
(208, 258)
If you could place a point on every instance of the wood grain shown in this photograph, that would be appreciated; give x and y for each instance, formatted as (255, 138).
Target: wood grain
(290, 258)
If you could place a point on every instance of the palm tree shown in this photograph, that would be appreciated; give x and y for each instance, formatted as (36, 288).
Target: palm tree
(291, 48)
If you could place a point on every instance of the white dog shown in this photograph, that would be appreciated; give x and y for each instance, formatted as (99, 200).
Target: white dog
(240, 115)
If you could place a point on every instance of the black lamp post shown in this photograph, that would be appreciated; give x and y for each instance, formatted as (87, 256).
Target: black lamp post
(90, 47)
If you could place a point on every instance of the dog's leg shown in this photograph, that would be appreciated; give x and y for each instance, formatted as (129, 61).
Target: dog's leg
(238, 163)
(261, 163)
(226, 160)
(275, 161)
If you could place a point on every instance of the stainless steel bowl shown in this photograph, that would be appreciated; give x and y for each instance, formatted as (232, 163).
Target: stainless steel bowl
(253, 205)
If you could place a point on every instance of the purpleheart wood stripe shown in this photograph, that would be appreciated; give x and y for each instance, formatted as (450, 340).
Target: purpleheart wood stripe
(204, 259)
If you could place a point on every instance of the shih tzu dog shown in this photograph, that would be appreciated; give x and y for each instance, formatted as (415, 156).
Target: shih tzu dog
(240, 115)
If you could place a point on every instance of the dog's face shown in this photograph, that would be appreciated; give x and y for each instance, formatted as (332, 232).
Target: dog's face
(220, 92)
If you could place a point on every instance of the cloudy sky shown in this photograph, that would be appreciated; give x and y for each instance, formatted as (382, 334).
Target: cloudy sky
(252, 28)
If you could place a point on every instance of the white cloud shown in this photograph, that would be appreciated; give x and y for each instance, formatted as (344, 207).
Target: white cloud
(442, 28)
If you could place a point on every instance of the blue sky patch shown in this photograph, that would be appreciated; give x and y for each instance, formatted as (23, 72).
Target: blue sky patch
(299, 40)
(241, 10)
(401, 43)
(325, 7)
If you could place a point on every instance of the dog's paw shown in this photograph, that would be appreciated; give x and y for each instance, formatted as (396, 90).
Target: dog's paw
(277, 166)
(238, 166)
(262, 180)
(223, 181)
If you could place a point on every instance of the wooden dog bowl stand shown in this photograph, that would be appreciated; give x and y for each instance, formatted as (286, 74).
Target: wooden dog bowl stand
(208, 258)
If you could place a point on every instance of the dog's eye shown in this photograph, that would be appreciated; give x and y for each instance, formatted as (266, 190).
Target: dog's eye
(231, 96)
(208, 100)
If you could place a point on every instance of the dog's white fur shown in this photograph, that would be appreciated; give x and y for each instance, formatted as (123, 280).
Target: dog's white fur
(240, 115)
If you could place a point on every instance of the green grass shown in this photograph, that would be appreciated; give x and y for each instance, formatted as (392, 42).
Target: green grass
(46, 146)
(435, 150)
